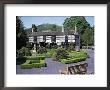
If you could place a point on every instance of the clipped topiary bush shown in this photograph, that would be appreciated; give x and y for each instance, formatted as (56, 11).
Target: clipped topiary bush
(24, 52)
(42, 50)
(60, 54)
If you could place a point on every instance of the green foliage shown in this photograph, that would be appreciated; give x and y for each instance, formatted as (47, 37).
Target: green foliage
(34, 27)
(50, 52)
(85, 30)
(26, 65)
(36, 57)
(42, 50)
(29, 46)
(75, 57)
(24, 52)
(88, 37)
(41, 57)
(71, 46)
(39, 65)
(33, 63)
(72, 60)
(21, 36)
(60, 54)
(78, 21)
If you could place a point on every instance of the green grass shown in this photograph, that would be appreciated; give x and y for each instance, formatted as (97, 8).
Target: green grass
(75, 57)
(76, 54)
(50, 52)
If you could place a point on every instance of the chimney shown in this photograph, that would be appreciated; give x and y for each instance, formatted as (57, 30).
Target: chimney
(75, 29)
(62, 29)
(32, 28)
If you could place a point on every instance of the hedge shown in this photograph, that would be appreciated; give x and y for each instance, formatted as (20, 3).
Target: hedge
(26, 65)
(36, 57)
(71, 60)
(33, 63)
(41, 57)
(39, 65)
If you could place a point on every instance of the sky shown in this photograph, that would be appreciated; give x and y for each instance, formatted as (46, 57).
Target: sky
(37, 20)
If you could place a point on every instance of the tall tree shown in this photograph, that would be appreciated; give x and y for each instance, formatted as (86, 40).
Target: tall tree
(21, 37)
(88, 37)
(85, 30)
(78, 21)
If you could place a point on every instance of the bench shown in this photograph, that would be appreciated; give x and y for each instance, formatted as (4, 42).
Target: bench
(76, 69)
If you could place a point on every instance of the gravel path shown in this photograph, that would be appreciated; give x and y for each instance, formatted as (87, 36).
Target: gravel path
(53, 67)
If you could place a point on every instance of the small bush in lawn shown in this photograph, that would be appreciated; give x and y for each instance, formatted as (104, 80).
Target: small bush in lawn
(42, 50)
(61, 54)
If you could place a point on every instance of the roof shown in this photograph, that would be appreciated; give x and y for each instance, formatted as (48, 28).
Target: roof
(51, 33)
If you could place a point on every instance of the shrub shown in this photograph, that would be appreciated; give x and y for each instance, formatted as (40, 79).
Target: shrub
(41, 57)
(71, 46)
(26, 65)
(36, 57)
(54, 57)
(33, 63)
(24, 52)
(42, 50)
(71, 60)
(29, 46)
(61, 54)
(39, 65)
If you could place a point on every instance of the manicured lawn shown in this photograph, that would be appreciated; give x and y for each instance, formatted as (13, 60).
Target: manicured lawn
(74, 57)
